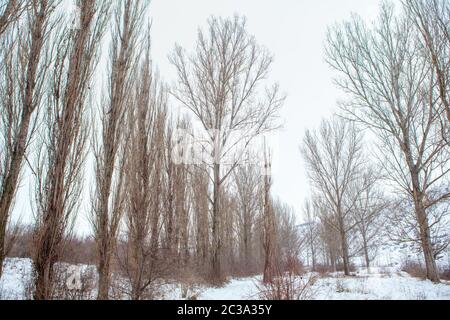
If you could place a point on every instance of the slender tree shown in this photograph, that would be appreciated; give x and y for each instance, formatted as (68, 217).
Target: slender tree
(311, 228)
(62, 150)
(431, 19)
(144, 179)
(110, 150)
(334, 161)
(26, 59)
(368, 213)
(248, 187)
(219, 84)
(11, 11)
(392, 90)
(269, 243)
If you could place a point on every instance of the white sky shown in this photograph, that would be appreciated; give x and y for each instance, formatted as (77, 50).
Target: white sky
(294, 31)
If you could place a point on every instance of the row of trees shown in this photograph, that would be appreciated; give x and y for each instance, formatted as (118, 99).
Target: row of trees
(396, 77)
(150, 215)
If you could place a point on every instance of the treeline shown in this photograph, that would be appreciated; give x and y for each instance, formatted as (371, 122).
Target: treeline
(395, 74)
(152, 216)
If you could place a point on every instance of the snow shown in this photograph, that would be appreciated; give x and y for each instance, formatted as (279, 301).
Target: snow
(236, 289)
(380, 283)
(14, 278)
(398, 286)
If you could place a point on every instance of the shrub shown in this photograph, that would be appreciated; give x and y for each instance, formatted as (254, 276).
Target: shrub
(323, 269)
(292, 284)
(288, 287)
(414, 269)
(340, 267)
(445, 274)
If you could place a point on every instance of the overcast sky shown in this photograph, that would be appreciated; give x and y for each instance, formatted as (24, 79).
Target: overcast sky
(294, 31)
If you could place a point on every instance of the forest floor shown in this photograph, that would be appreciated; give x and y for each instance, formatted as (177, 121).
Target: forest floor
(378, 284)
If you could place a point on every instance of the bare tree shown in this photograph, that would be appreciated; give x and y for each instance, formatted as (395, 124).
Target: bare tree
(109, 152)
(144, 179)
(177, 204)
(431, 19)
(334, 158)
(312, 230)
(228, 227)
(269, 243)
(248, 183)
(26, 60)
(14, 232)
(392, 89)
(405, 229)
(368, 211)
(200, 184)
(287, 239)
(62, 148)
(219, 83)
(11, 11)
(330, 243)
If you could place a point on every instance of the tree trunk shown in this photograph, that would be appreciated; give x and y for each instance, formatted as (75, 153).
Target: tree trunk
(2, 245)
(345, 258)
(103, 278)
(366, 253)
(28, 107)
(313, 253)
(427, 248)
(332, 260)
(425, 237)
(10, 184)
(216, 258)
(43, 281)
(269, 230)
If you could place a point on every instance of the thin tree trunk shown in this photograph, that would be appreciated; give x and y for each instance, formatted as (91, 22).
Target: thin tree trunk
(216, 258)
(103, 277)
(313, 257)
(345, 258)
(43, 282)
(269, 229)
(366, 253)
(427, 249)
(29, 105)
(425, 237)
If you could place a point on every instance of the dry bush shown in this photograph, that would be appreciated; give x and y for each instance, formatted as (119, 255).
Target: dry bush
(414, 269)
(323, 269)
(154, 274)
(191, 285)
(120, 289)
(20, 248)
(79, 250)
(288, 286)
(340, 267)
(445, 274)
(293, 284)
(340, 286)
(293, 264)
(87, 289)
(60, 289)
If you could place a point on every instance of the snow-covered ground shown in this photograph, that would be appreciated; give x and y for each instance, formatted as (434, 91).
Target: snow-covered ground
(374, 286)
(380, 284)
(16, 273)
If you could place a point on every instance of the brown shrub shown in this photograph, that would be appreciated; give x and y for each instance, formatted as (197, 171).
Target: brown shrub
(414, 269)
(323, 269)
(340, 267)
(288, 286)
(445, 274)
